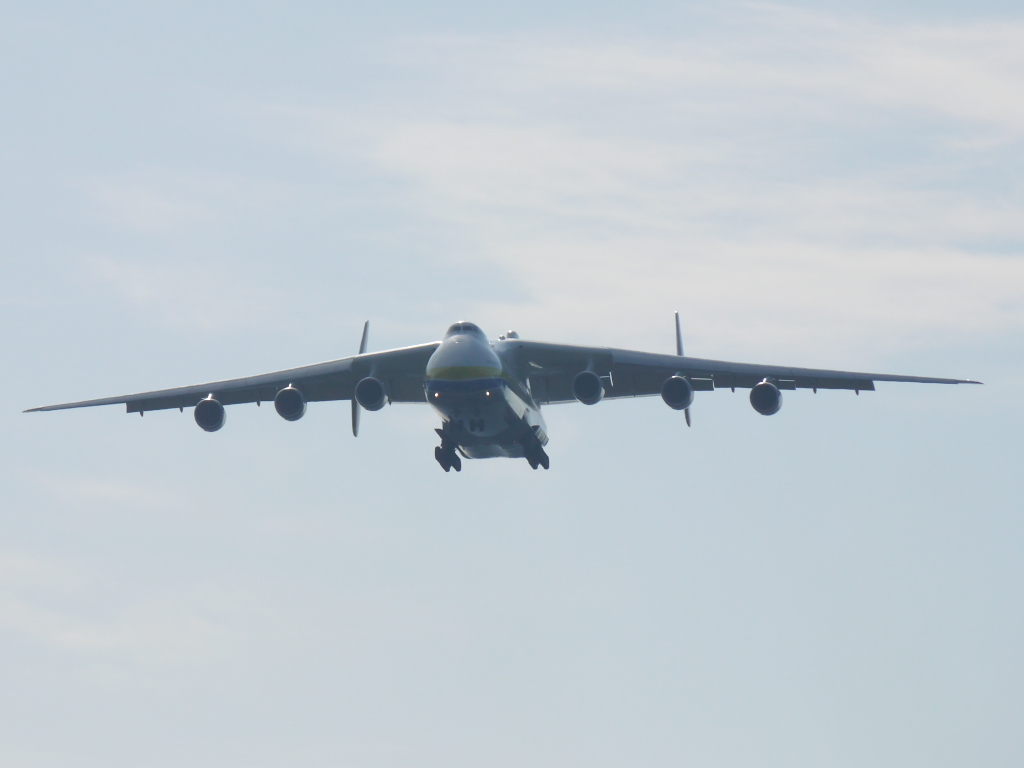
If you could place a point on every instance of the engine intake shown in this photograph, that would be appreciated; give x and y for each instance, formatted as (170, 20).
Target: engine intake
(210, 414)
(766, 398)
(290, 404)
(587, 388)
(677, 392)
(370, 394)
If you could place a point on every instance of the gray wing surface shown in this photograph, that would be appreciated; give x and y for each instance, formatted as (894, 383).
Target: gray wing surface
(552, 367)
(401, 371)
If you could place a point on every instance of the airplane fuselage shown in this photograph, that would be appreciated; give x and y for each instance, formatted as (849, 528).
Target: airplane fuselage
(486, 411)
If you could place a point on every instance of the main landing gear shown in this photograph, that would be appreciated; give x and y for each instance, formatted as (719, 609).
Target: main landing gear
(538, 458)
(445, 453)
(533, 450)
(447, 458)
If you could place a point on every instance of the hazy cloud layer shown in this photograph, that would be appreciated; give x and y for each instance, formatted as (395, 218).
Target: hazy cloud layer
(792, 166)
(787, 179)
(199, 192)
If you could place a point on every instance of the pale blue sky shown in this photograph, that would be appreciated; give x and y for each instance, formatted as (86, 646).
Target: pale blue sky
(214, 190)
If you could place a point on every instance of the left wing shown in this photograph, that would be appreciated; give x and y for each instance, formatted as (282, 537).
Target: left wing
(551, 368)
(400, 370)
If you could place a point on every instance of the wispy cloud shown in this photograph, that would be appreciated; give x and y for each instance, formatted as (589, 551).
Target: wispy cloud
(792, 181)
(790, 176)
(54, 603)
(211, 296)
(91, 490)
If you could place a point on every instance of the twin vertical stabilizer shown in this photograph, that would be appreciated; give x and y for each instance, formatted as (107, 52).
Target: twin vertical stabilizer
(679, 351)
(355, 403)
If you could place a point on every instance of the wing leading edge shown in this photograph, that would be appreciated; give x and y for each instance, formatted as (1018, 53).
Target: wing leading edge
(401, 371)
(548, 369)
(552, 367)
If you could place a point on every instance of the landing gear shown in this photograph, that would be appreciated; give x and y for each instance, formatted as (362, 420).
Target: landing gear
(454, 434)
(445, 453)
(533, 449)
(538, 458)
(448, 458)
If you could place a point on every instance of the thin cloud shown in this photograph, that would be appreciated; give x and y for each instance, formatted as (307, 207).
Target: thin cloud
(829, 181)
(829, 176)
(49, 602)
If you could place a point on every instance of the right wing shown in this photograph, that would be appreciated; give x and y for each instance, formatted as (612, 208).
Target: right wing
(552, 367)
(401, 371)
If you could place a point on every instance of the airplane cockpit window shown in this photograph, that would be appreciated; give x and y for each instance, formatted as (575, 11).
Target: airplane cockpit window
(464, 328)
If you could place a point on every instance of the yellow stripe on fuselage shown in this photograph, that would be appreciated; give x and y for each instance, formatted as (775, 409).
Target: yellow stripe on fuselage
(465, 372)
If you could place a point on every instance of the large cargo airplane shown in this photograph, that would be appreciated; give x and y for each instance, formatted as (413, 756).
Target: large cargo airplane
(488, 393)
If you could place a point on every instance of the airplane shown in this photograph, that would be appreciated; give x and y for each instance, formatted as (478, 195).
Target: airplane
(489, 392)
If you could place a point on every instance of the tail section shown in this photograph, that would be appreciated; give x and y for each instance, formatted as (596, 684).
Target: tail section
(355, 403)
(679, 351)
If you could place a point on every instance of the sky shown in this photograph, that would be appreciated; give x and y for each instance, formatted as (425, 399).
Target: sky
(198, 191)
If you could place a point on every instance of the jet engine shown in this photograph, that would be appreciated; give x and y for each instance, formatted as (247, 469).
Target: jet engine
(766, 398)
(370, 394)
(677, 392)
(587, 388)
(210, 414)
(290, 404)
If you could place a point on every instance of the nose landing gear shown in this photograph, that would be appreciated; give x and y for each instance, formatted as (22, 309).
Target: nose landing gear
(447, 458)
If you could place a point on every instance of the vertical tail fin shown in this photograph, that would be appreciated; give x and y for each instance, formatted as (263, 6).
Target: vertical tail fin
(679, 337)
(355, 403)
(679, 351)
(366, 333)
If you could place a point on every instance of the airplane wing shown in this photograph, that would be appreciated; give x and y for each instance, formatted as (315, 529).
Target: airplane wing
(401, 371)
(552, 367)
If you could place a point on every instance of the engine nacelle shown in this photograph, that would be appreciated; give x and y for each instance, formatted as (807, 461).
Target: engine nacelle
(370, 394)
(587, 388)
(766, 398)
(210, 414)
(290, 404)
(677, 392)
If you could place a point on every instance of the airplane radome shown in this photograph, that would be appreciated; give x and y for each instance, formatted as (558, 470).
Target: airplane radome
(489, 392)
